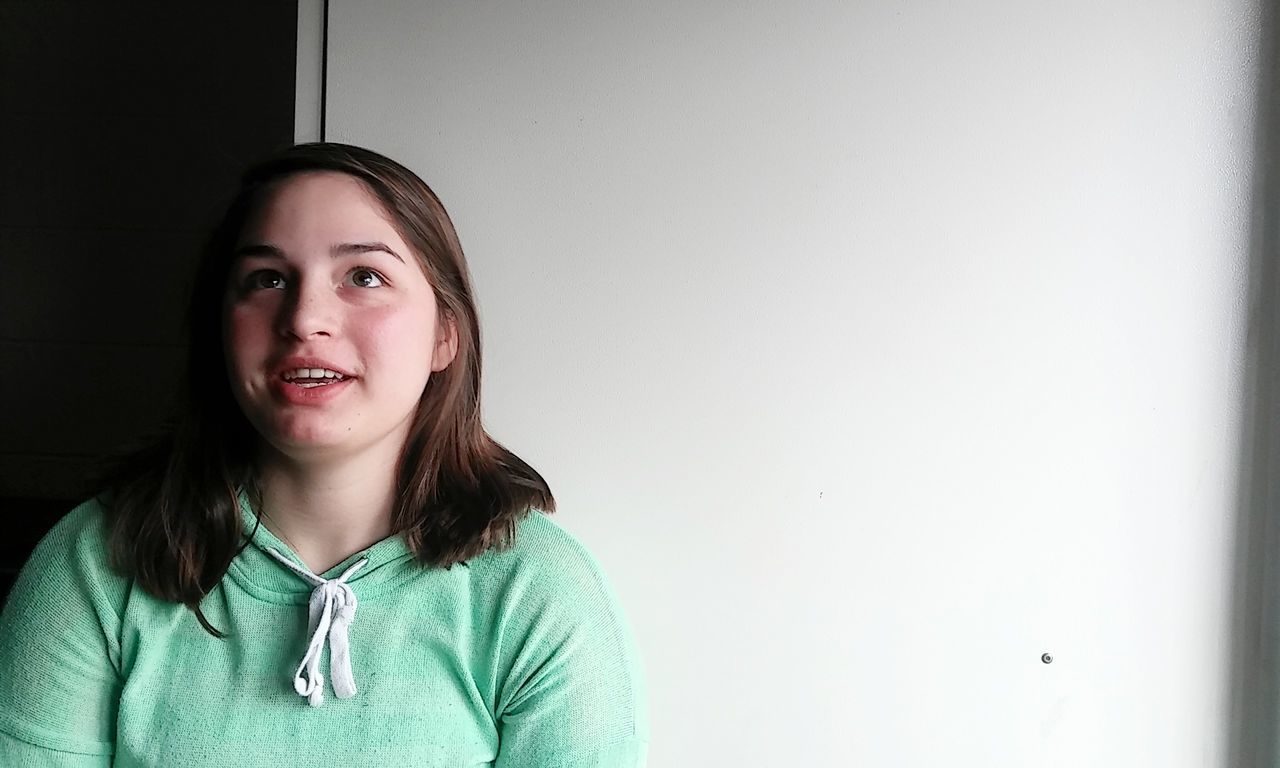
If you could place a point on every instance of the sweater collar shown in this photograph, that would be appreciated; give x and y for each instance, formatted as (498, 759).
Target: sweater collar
(262, 575)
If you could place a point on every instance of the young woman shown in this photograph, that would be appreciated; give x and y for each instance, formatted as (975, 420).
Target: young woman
(327, 561)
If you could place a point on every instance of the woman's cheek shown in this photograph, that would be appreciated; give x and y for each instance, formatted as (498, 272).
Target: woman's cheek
(246, 337)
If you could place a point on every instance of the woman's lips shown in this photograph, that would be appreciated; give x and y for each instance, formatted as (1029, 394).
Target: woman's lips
(309, 391)
(301, 363)
(306, 380)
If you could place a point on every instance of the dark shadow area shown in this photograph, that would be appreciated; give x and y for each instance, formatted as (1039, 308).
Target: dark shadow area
(126, 126)
(1254, 690)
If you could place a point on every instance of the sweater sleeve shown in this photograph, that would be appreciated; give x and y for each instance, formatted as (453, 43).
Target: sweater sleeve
(573, 695)
(60, 650)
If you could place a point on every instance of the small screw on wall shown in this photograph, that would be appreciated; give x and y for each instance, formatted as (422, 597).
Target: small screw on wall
(1047, 658)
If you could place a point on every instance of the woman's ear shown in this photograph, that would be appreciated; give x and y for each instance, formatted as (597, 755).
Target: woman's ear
(446, 343)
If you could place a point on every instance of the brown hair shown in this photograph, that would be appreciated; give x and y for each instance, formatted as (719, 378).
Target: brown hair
(172, 507)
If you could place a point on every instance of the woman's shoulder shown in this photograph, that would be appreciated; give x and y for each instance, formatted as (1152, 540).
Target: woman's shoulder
(80, 536)
(60, 640)
(544, 559)
(73, 561)
(566, 653)
(85, 521)
(540, 543)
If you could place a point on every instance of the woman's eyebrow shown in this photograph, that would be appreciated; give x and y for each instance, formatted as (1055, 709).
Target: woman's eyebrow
(257, 249)
(346, 249)
(341, 249)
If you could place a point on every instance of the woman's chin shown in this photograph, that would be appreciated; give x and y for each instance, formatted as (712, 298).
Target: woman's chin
(309, 443)
(324, 440)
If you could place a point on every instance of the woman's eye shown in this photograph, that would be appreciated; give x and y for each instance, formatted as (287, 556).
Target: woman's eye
(365, 278)
(261, 279)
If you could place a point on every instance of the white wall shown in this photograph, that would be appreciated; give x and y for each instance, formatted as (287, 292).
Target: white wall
(876, 348)
(308, 102)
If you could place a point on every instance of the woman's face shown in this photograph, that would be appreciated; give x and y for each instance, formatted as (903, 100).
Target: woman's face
(329, 324)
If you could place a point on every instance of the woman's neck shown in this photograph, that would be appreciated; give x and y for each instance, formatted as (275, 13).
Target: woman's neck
(328, 511)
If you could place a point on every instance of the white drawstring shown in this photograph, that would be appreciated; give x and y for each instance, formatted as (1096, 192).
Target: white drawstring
(330, 612)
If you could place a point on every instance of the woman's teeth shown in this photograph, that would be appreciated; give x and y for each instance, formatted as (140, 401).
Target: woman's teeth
(312, 377)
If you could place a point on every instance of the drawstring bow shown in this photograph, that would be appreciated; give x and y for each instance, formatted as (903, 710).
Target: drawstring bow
(331, 610)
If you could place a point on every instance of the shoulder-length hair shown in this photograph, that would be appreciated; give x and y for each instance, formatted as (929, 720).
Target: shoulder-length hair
(173, 509)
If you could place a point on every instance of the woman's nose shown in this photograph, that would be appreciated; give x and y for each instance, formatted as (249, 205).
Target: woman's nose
(310, 310)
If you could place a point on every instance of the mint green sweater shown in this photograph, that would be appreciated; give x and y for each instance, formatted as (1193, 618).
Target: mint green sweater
(520, 658)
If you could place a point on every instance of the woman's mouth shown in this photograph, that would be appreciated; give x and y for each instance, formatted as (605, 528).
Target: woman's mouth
(311, 377)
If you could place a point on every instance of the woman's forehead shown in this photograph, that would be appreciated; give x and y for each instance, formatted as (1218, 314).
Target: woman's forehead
(318, 203)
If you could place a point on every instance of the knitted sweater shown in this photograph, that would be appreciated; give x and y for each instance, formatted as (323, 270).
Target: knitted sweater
(518, 659)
